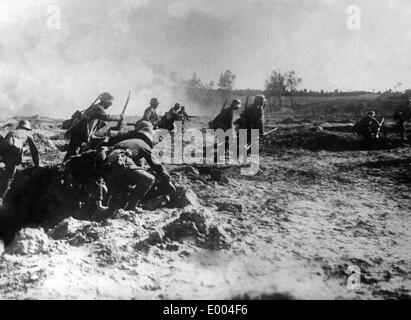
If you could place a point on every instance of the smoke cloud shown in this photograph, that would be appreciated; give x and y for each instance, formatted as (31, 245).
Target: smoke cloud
(117, 45)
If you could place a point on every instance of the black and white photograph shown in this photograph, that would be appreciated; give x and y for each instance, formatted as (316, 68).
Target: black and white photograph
(205, 150)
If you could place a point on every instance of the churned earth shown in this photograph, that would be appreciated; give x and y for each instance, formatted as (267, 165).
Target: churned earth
(313, 213)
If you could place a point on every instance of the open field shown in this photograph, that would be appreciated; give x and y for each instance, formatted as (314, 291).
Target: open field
(319, 204)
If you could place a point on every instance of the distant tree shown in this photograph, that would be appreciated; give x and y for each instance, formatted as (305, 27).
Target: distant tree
(398, 86)
(211, 85)
(225, 84)
(276, 85)
(226, 80)
(292, 83)
(195, 82)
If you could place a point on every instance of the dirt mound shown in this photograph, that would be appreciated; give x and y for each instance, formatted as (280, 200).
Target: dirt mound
(197, 225)
(68, 228)
(36, 195)
(316, 140)
(29, 241)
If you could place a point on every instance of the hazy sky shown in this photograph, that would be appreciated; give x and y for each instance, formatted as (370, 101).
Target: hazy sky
(117, 45)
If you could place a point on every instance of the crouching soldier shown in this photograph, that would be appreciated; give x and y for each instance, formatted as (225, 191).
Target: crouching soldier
(167, 121)
(11, 151)
(138, 149)
(127, 183)
(83, 180)
(143, 130)
(369, 127)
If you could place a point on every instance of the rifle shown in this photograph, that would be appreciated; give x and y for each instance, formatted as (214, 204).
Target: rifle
(120, 123)
(70, 123)
(246, 103)
(377, 134)
(264, 135)
(249, 145)
(225, 103)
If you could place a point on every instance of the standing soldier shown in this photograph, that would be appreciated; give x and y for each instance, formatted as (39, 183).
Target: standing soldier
(253, 117)
(150, 114)
(91, 120)
(11, 151)
(401, 116)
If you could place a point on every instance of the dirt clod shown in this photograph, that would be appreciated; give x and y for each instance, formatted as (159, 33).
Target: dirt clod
(29, 241)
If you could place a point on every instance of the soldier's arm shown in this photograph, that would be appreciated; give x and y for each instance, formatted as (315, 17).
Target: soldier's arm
(34, 151)
(147, 115)
(155, 164)
(102, 115)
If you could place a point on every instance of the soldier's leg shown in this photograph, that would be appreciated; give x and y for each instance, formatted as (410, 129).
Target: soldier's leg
(143, 181)
(73, 148)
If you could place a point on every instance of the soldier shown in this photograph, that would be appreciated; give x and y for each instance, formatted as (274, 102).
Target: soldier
(401, 116)
(253, 117)
(91, 120)
(143, 130)
(82, 177)
(11, 151)
(183, 114)
(150, 114)
(368, 127)
(121, 169)
(224, 120)
(139, 150)
(167, 121)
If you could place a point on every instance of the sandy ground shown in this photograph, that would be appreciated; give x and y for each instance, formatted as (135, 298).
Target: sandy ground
(293, 230)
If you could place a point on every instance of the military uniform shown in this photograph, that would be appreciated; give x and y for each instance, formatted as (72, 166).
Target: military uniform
(183, 114)
(401, 116)
(367, 126)
(141, 126)
(11, 151)
(92, 120)
(86, 177)
(150, 114)
(124, 177)
(167, 121)
(253, 118)
(224, 120)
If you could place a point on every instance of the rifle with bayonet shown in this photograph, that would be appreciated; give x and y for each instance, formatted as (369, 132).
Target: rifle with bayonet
(224, 105)
(120, 123)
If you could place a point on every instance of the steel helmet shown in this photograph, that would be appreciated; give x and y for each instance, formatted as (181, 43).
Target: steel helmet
(107, 97)
(235, 102)
(371, 113)
(260, 99)
(24, 124)
(154, 102)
